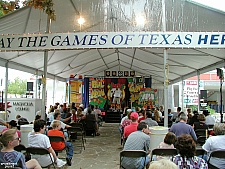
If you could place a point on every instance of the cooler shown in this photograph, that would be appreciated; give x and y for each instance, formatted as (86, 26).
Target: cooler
(157, 135)
(25, 129)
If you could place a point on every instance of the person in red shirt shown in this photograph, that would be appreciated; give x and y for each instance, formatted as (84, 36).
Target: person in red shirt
(142, 115)
(56, 125)
(133, 126)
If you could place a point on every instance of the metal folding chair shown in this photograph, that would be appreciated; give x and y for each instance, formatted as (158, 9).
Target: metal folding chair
(57, 139)
(200, 152)
(171, 152)
(77, 130)
(216, 154)
(40, 151)
(20, 148)
(202, 132)
(132, 154)
(201, 140)
(82, 127)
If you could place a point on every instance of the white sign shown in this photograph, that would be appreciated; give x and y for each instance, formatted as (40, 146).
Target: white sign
(112, 40)
(191, 92)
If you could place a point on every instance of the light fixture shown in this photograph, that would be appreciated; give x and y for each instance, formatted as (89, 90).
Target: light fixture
(140, 20)
(81, 20)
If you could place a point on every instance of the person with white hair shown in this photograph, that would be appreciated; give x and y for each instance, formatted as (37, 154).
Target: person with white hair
(163, 164)
(216, 143)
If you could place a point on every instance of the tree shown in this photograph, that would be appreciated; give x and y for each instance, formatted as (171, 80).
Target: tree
(18, 86)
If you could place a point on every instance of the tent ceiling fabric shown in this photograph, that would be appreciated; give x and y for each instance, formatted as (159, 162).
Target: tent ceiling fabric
(116, 15)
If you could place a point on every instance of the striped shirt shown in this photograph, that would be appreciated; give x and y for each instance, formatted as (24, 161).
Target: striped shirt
(137, 140)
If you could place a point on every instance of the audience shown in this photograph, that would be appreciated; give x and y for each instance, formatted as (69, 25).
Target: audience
(12, 125)
(9, 157)
(214, 143)
(38, 139)
(56, 127)
(182, 128)
(186, 157)
(138, 140)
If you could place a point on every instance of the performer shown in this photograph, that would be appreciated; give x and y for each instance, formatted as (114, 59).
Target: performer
(117, 96)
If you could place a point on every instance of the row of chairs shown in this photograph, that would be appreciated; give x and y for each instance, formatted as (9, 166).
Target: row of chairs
(35, 151)
(170, 153)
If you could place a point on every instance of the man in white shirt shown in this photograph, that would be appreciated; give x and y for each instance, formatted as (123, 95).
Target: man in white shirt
(39, 139)
(117, 95)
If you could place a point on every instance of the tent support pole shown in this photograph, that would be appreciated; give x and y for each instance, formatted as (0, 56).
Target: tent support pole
(43, 115)
(6, 89)
(166, 68)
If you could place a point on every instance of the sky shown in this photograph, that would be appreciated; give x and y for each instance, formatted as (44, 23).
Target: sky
(218, 4)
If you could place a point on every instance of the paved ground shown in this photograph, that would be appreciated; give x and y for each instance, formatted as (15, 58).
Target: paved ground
(101, 152)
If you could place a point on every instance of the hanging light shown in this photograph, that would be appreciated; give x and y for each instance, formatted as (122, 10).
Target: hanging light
(81, 20)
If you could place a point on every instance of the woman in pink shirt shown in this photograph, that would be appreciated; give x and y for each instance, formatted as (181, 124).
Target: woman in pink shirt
(13, 125)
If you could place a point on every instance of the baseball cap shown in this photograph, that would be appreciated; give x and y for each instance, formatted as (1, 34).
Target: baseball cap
(81, 105)
(134, 115)
(129, 110)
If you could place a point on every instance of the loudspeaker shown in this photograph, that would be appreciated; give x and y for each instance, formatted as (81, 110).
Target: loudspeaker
(148, 82)
(219, 72)
(29, 86)
(203, 94)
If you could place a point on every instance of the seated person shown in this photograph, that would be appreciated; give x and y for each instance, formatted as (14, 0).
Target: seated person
(9, 157)
(149, 120)
(186, 158)
(57, 117)
(21, 120)
(216, 143)
(38, 139)
(133, 126)
(138, 140)
(201, 124)
(163, 164)
(56, 126)
(13, 125)
(90, 120)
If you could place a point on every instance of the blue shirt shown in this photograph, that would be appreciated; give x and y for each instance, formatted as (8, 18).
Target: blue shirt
(183, 128)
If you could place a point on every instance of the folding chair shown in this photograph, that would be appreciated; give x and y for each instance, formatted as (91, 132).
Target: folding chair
(201, 140)
(40, 151)
(202, 132)
(20, 148)
(164, 152)
(132, 154)
(216, 154)
(200, 152)
(57, 139)
(82, 127)
(77, 130)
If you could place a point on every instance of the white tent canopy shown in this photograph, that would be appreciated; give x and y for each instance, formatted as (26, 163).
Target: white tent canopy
(116, 16)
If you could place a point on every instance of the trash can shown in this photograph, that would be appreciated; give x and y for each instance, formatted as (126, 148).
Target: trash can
(25, 129)
(157, 135)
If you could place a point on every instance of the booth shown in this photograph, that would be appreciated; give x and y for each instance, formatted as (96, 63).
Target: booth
(25, 107)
